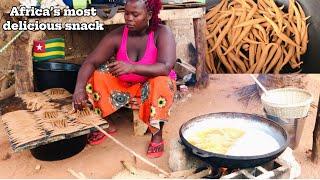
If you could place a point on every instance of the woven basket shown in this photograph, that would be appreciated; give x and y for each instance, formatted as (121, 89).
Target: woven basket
(287, 103)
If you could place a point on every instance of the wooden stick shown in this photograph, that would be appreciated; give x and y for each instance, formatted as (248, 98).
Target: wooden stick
(129, 167)
(193, 70)
(129, 150)
(260, 85)
(76, 175)
(200, 174)
(82, 175)
(183, 173)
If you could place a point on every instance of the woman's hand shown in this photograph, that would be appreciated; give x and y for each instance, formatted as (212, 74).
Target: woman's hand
(119, 68)
(80, 99)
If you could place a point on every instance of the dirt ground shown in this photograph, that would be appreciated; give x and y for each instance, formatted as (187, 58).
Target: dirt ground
(103, 161)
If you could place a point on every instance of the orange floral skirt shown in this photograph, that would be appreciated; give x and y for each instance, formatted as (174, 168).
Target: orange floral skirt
(153, 98)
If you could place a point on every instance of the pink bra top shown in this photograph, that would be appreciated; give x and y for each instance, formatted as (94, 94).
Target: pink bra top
(149, 57)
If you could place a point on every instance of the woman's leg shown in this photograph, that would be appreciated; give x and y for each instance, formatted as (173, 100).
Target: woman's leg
(107, 94)
(157, 137)
(157, 97)
(112, 128)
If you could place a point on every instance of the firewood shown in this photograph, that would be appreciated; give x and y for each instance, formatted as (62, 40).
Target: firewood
(79, 175)
(7, 92)
(183, 173)
(200, 174)
(129, 167)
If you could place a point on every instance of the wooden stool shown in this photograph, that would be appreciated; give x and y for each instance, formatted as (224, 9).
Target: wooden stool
(139, 127)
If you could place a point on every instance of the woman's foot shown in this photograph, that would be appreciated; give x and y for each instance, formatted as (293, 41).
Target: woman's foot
(98, 137)
(112, 128)
(156, 146)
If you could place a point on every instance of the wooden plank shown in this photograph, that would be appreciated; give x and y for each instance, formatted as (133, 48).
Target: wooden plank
(23, 61)
(182, 5)
(170, 14)
(200, 40)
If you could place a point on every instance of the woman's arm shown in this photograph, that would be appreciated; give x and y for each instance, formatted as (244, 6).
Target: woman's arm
(165, 61)
(101, 54)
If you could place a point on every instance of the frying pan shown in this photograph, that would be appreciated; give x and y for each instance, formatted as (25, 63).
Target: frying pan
(310, 59)
(264, 140)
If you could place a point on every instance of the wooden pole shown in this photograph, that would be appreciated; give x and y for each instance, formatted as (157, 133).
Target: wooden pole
(200, 42)
(316, 139)
(23, 61)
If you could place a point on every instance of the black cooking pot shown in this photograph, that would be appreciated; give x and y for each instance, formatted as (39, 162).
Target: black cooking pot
(311, 63)
(60, 149)
(253, 125)
(57, 75)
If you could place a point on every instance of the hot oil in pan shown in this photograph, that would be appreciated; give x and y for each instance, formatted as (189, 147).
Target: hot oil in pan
(234, 141)
(254, 143)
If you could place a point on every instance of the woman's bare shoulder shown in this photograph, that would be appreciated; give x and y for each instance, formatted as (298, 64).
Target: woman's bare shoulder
(115, 33)
(165, 35)
(114, 36)
(163, 30)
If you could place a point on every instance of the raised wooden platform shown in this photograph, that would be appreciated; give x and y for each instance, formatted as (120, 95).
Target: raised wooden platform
(46, 119)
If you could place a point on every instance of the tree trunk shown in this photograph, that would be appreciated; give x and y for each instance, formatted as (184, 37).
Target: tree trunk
(316, 139)
(23, 61)
(200, 40)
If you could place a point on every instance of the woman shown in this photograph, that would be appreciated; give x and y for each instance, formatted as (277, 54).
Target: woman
(142, 73)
